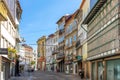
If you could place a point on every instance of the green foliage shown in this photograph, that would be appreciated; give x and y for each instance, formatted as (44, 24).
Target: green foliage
(12, 53)
(32, 62)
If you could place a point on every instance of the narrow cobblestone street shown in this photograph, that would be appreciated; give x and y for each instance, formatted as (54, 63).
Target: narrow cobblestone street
(40, 75)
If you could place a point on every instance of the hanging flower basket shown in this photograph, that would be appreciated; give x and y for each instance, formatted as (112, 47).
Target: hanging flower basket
(12, 53)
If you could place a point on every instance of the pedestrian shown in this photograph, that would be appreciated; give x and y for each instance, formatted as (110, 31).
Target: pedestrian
(56, 68)
(17, 68)
(81, 73)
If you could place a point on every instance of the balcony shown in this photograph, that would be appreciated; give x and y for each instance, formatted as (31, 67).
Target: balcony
(3, 12)
(69, 57)
(61, 39)
(55, 52)
(18, 38)
(61, 31)
(70, 30)
(60, 55)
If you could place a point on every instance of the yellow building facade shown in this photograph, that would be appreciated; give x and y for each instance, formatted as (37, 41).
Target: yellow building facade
(3, 11)
(41, 49)
(86, 65)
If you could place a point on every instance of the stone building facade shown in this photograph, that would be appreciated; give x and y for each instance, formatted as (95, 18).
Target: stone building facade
(103, 40)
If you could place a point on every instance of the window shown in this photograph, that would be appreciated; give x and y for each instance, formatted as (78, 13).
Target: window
(100, 70)
(70, 41)
(74, 38)
(113, 70)
(9, 26)
(66, 43)
(2, 42)
(70, 27)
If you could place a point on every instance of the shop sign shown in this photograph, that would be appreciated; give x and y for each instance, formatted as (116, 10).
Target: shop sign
(4, 51)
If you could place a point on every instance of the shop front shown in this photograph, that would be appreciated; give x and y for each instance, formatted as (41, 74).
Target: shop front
(60, 65)
(106, 69)
(5, 69)
(113, 69)
(68, 67)
(42, 63)
(4, 64)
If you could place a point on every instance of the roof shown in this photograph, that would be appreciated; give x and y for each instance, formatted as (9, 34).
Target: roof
(51, 35)
(65, 16)
(41, 38)
(93, 11)
(25, 45)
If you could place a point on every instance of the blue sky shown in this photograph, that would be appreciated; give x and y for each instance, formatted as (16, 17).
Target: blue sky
(39, 17)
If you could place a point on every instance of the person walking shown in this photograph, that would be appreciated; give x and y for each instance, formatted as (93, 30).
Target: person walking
(81, 73)
(17, 68)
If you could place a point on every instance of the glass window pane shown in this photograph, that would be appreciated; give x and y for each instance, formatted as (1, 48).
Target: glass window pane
(100, 71)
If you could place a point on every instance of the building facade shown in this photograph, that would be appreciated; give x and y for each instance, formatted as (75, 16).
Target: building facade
(70, 41)
(49, 50)
(41, 49)
(81, 45)
(60, 55)
(9, 23)
(28, 55)
(21, 54)
(78, 45)
(55, 51)
(103, 40)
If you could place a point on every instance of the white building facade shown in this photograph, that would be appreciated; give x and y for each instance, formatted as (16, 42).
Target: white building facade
(9, 34)
(51, 44)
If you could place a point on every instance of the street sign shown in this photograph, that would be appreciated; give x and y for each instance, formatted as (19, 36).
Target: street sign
(4, 51)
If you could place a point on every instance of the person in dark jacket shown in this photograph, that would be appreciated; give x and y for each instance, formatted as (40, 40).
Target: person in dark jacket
(81, 73)
(17, 68)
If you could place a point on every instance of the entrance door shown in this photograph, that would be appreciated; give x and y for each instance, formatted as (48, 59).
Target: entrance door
(76, 68)
(3, 71)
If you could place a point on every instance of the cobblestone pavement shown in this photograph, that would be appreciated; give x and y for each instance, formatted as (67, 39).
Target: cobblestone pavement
(41, 75)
